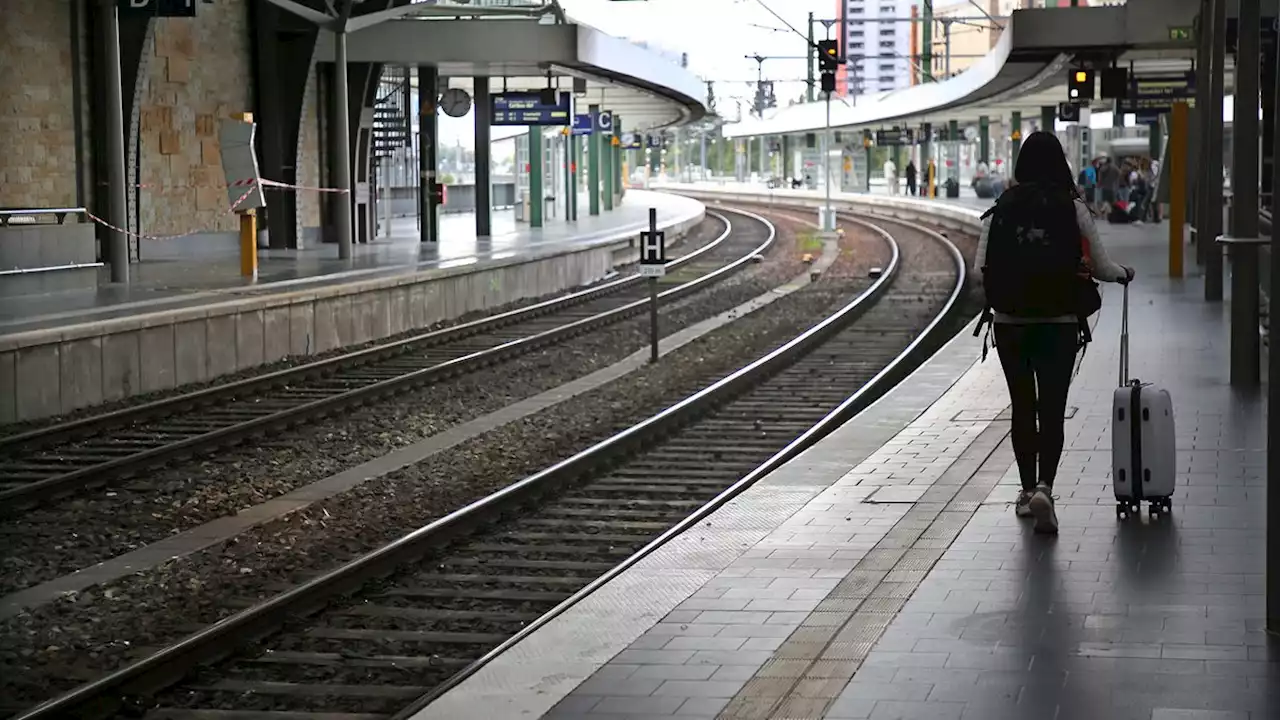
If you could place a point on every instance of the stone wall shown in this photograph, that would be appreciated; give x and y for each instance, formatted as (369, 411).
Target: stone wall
(199, 73)
(309, 163)
(37, 133)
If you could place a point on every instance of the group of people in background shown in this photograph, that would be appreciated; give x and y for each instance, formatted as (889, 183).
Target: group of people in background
(1123, 191)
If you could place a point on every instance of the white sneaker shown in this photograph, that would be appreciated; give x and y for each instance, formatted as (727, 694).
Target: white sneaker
(1022, 507)
(1041, 507)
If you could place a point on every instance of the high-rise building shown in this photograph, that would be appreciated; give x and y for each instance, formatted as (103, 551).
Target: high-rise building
(877, 45)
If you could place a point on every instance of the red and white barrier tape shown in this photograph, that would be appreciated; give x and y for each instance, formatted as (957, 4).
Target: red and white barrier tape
(250, 183)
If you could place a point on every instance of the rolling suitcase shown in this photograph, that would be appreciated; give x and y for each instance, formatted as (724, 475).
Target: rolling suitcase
(1143, 453)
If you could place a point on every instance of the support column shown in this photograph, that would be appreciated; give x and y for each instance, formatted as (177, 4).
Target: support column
(1245, 349)
(606, 169)
(786, 158)
(593, 161)
(953, 148)
(428, 162)
(1199, 120)
(1015, 138)
(655, 158)
(1211, 171)
(1176, 172)
(616, 149)
(484, 159)
(984, 140)
(117, 202)
(1273, 428)
(570, 184)
(536, 173)
(1048, 114)
(926, 150)
(1156, 139)
(342, 206)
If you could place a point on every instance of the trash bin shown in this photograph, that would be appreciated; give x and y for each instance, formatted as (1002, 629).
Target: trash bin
(953, 188)
(983, 188)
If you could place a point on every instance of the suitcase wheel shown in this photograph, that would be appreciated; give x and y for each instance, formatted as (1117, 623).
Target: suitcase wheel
(1160, 506)
(1126, 510)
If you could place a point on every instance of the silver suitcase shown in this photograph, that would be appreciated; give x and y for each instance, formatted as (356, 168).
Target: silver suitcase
(1143, 451)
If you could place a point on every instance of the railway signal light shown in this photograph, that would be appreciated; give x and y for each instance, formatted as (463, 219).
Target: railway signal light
(1080, 85)
(828, 55)
(828, 82)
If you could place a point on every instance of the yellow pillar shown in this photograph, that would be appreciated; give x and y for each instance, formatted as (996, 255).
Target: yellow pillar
(1177, 186)
(248, 228)
(249, 244)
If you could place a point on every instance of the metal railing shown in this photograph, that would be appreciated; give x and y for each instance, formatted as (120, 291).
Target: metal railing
(31, 216)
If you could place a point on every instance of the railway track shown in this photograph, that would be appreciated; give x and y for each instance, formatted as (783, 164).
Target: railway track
(57, 460)
(384, 635)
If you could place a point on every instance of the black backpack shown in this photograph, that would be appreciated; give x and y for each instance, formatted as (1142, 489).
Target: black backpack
(1034, 260)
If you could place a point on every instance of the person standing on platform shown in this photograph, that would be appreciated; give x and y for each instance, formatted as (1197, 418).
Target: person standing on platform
(891, 176)
(911, 177)
(1036, 255)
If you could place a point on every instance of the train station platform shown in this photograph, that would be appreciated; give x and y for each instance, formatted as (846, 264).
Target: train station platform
(193, 318)
(883, 575)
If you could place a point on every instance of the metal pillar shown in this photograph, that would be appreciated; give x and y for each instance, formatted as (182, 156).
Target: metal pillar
(1015, 139)
(570, 186)
(342, 206)
(536, 173)
(1156, 139)
(428, 162)
(1176, 171)
(1273, 428)
(702, 139)
(615, 148)
(606, 169)
(1243, 245)
(117, 203)
(926, 40)
(1048, 116)
(484, 158)
(952, 148)
(1199, 121)
(984, 139)
(809, 60)
(926, 149)
(593, 161)
(1211, 171)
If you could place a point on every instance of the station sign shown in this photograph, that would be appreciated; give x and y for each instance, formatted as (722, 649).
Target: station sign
(159, 8)
(527, 108)
(581, 124)
(896, 136)
(632, 141)
(654, 142)
(1150, 94)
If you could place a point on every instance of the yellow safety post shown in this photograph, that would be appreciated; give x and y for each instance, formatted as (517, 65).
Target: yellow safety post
(1177, 186)
(248, 228)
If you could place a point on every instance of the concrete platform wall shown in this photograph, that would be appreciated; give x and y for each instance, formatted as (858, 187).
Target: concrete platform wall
(50, 372)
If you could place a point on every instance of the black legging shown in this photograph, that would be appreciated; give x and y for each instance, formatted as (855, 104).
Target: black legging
(1037, 357)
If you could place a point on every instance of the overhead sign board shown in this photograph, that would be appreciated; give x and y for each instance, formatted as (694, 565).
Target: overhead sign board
(527, 108)
(158, 8)
(581, 124)
(896, 136)
(1157, 93)
(654, 142)
(605, 121)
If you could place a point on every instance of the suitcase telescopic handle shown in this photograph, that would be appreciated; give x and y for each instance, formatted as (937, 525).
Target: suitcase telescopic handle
(1124, 339)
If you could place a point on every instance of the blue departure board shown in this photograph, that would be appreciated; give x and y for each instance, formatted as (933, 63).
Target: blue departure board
(526, 108)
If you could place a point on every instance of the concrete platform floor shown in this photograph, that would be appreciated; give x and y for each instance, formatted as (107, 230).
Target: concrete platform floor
(166, 284)
(882, 575)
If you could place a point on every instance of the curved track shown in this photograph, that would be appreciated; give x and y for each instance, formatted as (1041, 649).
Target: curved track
(49, 462)
(390, 631)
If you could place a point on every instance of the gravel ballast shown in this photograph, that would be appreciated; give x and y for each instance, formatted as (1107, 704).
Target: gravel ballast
(58, 645)
(75, 533)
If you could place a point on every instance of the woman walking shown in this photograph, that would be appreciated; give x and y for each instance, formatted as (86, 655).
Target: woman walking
(1038, 249)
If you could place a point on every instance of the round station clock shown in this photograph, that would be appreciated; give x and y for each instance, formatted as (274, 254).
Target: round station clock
(455, 102)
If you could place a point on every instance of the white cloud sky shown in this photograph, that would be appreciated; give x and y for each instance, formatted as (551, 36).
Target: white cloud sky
(716, 34)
